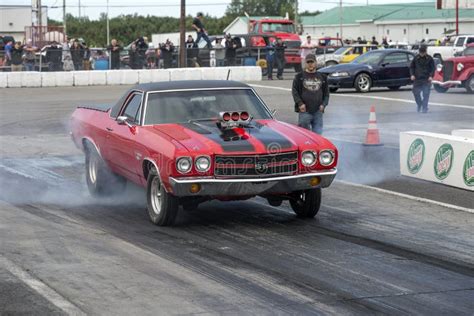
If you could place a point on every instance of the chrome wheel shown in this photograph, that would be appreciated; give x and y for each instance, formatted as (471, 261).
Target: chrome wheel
(363, 82)
(470, 84)
(156, 195)
(93, 168)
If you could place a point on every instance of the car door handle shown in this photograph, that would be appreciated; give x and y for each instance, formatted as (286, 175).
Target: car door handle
(109, 129)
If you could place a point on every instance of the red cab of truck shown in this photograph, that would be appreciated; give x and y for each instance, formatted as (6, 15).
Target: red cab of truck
(284, 29)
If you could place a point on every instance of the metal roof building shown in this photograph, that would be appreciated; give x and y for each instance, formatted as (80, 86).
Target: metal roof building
(407, 22)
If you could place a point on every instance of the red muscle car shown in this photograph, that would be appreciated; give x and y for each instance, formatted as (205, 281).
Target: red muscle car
(192, 141)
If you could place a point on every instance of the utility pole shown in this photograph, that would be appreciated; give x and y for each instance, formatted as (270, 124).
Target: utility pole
(64, 17)
(108, 24)
(296, 12)
(457, 17)
(182, 31)
(40, 15)
(79, 6)
(340, 20)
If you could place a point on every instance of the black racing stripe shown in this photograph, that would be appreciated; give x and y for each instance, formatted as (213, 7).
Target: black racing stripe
(272, 140)
(229, 140)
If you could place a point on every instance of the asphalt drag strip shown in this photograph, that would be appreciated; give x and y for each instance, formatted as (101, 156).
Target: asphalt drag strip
(365, 253)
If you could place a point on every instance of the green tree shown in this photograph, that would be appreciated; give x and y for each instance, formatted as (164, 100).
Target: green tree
(261, 8)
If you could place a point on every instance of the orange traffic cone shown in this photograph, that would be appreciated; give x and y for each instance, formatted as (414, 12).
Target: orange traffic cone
(372, 138)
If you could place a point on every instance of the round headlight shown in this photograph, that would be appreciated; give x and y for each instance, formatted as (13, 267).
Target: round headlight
(326, 157)
(308, 158)
(460, 67)
(184, 164)
(439, 67)
(202, 164)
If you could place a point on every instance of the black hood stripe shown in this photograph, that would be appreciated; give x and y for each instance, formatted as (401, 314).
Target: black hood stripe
(271, 139)
(221, 138)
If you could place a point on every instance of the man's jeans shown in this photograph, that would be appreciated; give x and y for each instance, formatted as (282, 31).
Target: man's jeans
(203, 36)
(29, 66)
(280, 64)
(421, 91)
(311, 121)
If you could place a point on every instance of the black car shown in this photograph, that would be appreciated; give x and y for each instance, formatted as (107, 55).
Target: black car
(378, 68)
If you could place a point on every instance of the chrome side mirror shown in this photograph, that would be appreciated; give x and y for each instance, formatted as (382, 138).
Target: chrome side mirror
(123, 120)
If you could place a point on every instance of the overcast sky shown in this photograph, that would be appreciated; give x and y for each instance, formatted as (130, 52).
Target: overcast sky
(93, 8)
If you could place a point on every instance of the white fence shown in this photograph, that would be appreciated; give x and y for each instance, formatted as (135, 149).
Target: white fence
(446, 159)
(125, 77)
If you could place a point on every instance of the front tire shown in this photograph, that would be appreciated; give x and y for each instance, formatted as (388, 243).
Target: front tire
(439, 88)
(162, 207)
(307, 203)
(363, 83)
(470, 84)
(101, 181)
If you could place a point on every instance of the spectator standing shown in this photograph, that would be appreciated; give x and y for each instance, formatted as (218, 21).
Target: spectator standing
(8, 53)
(200, 30)
(142, 47)
(220, 52)
(270, 57)
(306, 49)
(422, 69)
(114, 53)
(54, 55)
(68, 65)
(374, 41)
(17, 57)
(133, 58)
(167, 53)
(87, 57)
(29, 53)
(189, 42)
(230, 50)
(384, 42)
(77, 54)
(311, 95)
(280, 57)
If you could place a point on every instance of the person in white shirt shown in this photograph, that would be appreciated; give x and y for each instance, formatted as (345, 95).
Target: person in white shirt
(306, 49)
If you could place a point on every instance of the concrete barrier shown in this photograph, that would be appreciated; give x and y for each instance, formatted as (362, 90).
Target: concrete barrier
(48, 79)
(64, 79)
(31, 79)
(467, 133)
(438, 158)
(125, 76)
(3, 80)
(14, 79)
(81, 78)
(97, 78)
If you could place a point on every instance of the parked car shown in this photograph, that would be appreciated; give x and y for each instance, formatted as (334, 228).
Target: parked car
(445, 52)
(344, 54)
(456, 72)
(379, 68)
(187, 142)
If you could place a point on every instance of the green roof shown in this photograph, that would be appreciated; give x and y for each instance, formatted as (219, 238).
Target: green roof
(385, 12)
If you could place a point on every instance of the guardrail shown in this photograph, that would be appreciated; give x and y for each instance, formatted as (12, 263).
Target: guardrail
(446, 159)
(125, 77)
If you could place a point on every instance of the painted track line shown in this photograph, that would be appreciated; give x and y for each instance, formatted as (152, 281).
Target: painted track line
(41, 288)
(460, 106)
(407, 196)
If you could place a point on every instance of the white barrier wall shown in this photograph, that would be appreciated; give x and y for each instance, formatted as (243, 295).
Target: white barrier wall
(125, 76)
(439, 158)
(468, 133)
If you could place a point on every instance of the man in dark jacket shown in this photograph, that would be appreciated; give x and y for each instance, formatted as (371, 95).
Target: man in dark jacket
(54, 55)
(422, 69)
(200, 30)
(77, 54)
(311, 94)
(279, 59)
(114, 52)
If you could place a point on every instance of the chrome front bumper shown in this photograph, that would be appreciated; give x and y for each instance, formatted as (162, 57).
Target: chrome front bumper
(447, 83)
(251, 186)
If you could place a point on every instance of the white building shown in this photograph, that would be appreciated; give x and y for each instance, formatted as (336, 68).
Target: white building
(14, 19)
(406, 22)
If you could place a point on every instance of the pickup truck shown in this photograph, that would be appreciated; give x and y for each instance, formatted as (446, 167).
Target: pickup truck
(445, 52)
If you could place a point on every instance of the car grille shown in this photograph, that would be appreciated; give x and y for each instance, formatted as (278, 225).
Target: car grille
(256, 165)
(293, 44)
(447, 70)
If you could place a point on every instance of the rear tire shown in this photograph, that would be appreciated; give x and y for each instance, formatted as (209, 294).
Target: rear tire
(469, 84)
(363, 82)
(439, 88)
(101, 181)
(162, 207)
(307, 203)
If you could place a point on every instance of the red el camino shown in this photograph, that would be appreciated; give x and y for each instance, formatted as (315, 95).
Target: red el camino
(192, 141)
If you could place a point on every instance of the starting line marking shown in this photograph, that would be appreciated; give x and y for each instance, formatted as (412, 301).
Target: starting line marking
(41, 288)
(460, 106)
(407, 196)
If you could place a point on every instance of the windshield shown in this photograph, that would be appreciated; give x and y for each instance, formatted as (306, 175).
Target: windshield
(340, 51)
(182, 106)
(278, 27)
(369, 58)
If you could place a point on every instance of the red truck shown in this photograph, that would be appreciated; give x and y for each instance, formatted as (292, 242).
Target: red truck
(284, 29)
